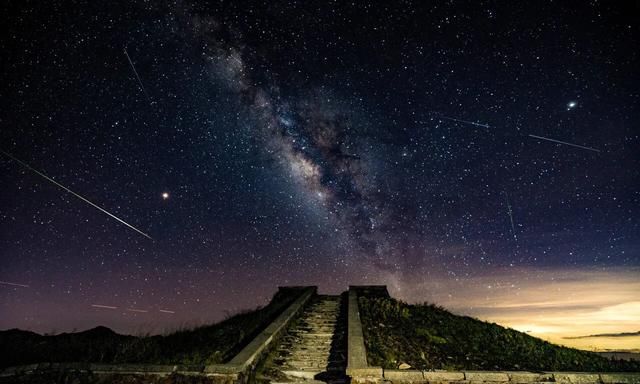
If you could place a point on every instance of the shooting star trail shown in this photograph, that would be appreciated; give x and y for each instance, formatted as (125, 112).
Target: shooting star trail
(14, 284)
(565, 143)
(137, 76)
(465, 121)
(103, 306)
(166, 311)
(510, 212)
(73, 193)
(137, 310)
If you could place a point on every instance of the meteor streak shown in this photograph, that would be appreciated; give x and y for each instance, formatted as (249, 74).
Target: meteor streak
(465, 121)
(103, 306)
(137, 76)
(137, 310)
(165, 311)
(510, 212)
(14, 284)
(565, 143)
(73, 193)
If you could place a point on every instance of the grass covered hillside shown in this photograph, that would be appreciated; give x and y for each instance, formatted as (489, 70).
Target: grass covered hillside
(210, 344)
(429, 337)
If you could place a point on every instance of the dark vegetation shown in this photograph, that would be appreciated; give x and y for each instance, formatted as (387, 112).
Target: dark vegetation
(75, 377)
(211, 344)
(429, 337)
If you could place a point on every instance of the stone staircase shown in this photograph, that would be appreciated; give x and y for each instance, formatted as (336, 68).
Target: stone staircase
(314, 348)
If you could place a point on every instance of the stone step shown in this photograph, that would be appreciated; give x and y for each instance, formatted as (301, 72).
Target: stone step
(308, 341)
(300, 374)
(313, 326)
(303, 360)
(306, 382)
(325, 324)
(310, 369)
(336, 381)
(302, 332)
(323, 331)
(317, 357)
(308, 349)
(304, 379)
(304, 355)
(313, 334)
(304, 364)
(311, 341)
(322, 315)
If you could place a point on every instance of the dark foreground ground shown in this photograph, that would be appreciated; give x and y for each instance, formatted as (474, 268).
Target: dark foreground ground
(85, 378)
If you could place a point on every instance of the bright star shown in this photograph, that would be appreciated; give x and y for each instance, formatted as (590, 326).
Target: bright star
(165, 195)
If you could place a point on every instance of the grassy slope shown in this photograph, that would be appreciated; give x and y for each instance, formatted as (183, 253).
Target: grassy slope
(429, 337)
(204, 345)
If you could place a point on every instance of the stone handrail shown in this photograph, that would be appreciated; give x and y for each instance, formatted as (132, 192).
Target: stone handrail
(250, 355)
(357, 365)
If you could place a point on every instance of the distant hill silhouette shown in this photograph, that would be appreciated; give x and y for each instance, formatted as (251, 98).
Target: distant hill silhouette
(622, 334)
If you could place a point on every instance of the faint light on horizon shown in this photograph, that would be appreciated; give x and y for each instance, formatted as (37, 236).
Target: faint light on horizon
(533, 328)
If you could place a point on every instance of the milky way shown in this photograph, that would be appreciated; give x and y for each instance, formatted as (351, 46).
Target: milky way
(309, 137)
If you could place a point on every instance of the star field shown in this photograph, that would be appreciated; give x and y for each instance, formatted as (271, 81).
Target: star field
(281, 143)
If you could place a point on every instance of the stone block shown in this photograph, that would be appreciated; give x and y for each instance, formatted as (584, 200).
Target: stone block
(369, 380)
(620, 378)
(482, 376)
(576, 378)
(403, 376)
(222, 369)
(188, 368)
(530, 377)
(367, 372)
(442, 376)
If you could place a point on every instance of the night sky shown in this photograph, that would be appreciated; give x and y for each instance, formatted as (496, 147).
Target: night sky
(318, 143)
